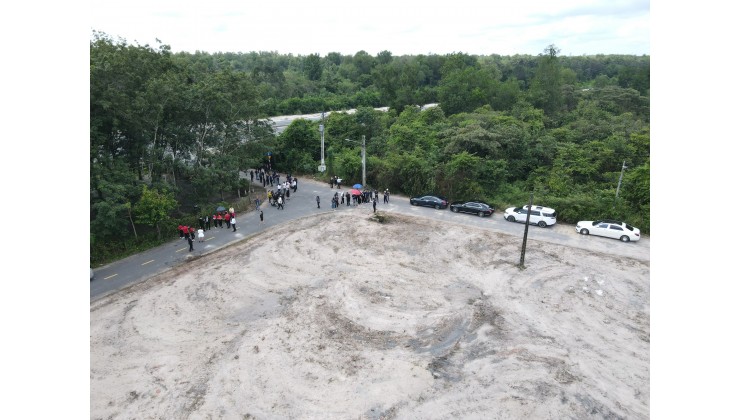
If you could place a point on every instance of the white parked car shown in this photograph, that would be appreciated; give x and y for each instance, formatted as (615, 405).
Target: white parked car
(540, 216)
(615, 229)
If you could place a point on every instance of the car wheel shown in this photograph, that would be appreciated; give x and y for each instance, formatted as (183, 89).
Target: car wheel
(454, 209)
(584, 231)
(624, 238)
(480, 214)
(541, 224)
(510, 218)
(436, 206)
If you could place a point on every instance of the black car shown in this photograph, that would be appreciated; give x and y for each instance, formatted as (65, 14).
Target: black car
(473, 207)
(429, 201)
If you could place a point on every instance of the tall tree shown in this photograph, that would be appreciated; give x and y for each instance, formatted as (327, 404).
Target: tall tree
(312, 67)
(154, 207)
(546, 90)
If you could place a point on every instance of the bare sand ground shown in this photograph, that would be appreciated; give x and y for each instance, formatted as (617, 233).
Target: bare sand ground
(339, 316)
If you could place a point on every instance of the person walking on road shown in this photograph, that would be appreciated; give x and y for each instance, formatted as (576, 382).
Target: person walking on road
(233, 222)
(262, 218)
(375, 201)
(318, 202)
(190, 242)
(280, 203)
(201, 235)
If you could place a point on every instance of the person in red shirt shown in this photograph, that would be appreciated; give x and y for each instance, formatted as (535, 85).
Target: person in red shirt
(179, 229)
(220, 220)
(227, 218)
(192, 233)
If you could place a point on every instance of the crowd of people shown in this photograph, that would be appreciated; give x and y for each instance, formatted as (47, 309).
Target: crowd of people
(219, 219)
(278, 193)
(277, 198)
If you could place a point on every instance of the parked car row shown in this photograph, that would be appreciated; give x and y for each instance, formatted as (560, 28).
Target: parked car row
(538, 215)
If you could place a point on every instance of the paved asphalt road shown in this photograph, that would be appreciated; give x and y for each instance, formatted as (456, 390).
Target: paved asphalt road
(302, 203)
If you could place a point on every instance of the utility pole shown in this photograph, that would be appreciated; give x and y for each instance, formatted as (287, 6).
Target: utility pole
(526, 230)
(363, 158)
(322, 167)
(619, 184)
(364, 183)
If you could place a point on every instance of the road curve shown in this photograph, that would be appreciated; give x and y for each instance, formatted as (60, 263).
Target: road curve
(136, 268)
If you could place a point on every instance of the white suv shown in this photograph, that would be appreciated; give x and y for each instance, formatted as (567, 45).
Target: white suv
(540, 216)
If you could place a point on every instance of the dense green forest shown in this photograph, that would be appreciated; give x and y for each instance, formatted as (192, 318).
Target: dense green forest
(169, 132)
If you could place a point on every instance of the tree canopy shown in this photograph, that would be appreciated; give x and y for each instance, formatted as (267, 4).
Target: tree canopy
(171, 132)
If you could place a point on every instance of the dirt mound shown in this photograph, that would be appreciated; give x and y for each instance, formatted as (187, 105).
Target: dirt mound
(341, 316)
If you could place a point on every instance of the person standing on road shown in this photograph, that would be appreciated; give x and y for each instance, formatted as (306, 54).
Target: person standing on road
(262, 218)
(318, 202)
(179, 229)
(201, 235)
(190, 242)
(192, 233)
(280, 203)
(227, 219)
(233, 222)
(375, 201)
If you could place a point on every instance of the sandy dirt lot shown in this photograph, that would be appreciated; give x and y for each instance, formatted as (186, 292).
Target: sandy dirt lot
(338, 316)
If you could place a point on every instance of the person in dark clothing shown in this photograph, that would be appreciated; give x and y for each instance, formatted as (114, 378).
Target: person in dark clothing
(374, 203)
(262, 218)
(318, 202)
(202, 223)
(192, 233)
(190, 242)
